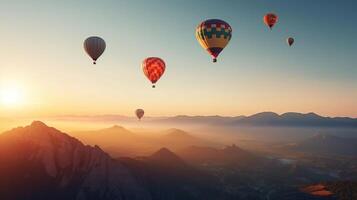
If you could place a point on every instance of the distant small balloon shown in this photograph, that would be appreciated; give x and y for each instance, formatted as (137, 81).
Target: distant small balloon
(139, 113)
(94, 46)
(270, 19)
(153, 68)
(290, 41)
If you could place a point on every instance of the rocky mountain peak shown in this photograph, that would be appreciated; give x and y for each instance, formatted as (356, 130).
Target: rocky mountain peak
(67, 161)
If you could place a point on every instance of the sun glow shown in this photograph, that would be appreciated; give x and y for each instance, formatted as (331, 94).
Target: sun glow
(11, 96)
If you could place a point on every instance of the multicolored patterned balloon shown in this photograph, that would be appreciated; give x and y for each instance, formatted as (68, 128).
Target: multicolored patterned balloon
(153, 68)
(270, 19)
(213, 35)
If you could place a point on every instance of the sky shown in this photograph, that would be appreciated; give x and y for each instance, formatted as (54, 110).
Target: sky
(44, 70)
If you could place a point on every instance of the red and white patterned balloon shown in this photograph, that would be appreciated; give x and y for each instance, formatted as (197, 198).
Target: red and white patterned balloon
(153, 68)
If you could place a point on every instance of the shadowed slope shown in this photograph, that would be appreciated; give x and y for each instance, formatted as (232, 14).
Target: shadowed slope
(40, 162)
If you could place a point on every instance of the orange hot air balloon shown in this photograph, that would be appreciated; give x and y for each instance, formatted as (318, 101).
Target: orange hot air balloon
(139, 113)
(290, 41)
(153, 68)
(270, 19)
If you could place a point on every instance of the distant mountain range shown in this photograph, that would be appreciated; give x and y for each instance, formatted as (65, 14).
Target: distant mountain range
(268, 119)
(260, 119)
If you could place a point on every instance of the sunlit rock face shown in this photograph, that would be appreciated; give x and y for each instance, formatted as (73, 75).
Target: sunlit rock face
(40, 158)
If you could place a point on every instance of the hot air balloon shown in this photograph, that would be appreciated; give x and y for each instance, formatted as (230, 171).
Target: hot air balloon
(270, 19)
(153, 68)
(139, 113)
(94, 46)
(213, 35)
(290, 41)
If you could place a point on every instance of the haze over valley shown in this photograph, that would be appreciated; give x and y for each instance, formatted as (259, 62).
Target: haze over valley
(264, 156)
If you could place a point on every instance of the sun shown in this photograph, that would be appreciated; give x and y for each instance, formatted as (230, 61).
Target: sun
(10, 96)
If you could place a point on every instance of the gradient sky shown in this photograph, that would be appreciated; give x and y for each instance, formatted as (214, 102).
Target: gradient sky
(42, 56)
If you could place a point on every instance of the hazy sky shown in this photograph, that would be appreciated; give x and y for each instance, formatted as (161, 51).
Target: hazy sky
(42, 57)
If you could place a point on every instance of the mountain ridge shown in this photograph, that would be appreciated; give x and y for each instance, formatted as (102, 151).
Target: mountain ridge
(50, 164)
(287, 119)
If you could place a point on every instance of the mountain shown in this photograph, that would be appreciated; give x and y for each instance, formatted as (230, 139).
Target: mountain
(326, 144)
(40, 162)
(289, 119)
(167, 176)
(115, 133)
(229, 155)
(296, 119)
(165, 157)
(118, 141)
(177, 139)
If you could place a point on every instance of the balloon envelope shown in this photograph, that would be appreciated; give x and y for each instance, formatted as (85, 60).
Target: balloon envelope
(290, 41)
(94, 46)
(213, 35)
(153, 68)
(270, 19)
(139, 113)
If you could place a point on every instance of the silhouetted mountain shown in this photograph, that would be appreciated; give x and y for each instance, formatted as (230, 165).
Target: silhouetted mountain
(259, 119)
(115, 133)
(168, 177)
(177, 139)
(268, 119)
(40, 162)
(166, 157)
(230, 155)
(117, 141)
(177, 133)
(326, 144)
(295, 119)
